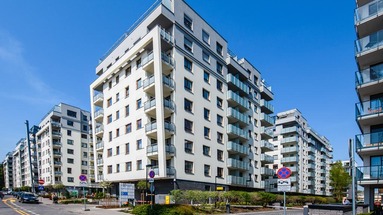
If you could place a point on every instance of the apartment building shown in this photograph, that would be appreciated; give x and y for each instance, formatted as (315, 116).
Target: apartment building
(63, 146)
(8, 171)
(369, 88)
(170, 97)
(304, 151)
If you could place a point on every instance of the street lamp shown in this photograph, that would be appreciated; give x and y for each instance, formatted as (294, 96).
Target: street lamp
(146, 181)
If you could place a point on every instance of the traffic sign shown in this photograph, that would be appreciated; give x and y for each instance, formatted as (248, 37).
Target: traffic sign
(41, 188)
(152, 188)
(284, 185)
(82, 177)
(151, 180)
(41, 181)
(83, 183)
(283, 173)
(152, 173)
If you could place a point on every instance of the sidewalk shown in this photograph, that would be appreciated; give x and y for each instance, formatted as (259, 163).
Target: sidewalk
(79, 208)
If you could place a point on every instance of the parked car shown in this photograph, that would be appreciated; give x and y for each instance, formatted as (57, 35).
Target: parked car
(28, 197)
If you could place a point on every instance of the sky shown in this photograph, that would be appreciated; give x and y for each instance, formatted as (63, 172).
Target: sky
(304, 49)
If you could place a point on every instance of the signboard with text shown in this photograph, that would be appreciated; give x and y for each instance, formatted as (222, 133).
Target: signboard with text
(126, 192)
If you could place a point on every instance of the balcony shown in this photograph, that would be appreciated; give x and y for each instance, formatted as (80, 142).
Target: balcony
(294, 159)
(56, 124)
(371, 143)
(100, 177)
(266, 146)
(234, 148)
(266, 107)
(168, 85)
(99, 131)
(267, 171)
(290, 130)
(152, 150)
(58, 173)
(237, 164)
(311, 166)
(311, 157)
(167, 63)
(236, 132)
(368, 17)
(266, 92)
(56, 134)
(151, 129)
(57, 163)
(56, 153)
(369, 49)
(99, 115)
(292, 149)
(235, 116)
(98, 99)
(369, 80)
(290, 140)
(293, 168)
(293, 179)
(236, 83)
(100, 162)
(369, 112)
(235, 180)
(267, 159)
(100, 146)
(267, 133)
(235, 100)
(166, 36)
(150, 107)
(170, 171)
(148, 85)
(267, 120)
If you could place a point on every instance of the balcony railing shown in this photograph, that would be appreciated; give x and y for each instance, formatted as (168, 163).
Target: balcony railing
(369, 75)
(231, 78)
(98, 96)
(152, 103)
(236, 180)
(100, 178)
(267, 105)
(154, 149)
(268, 118)
(368, 10)
(99, 145)
(369, 42)
(238, 99)
(370, 140)
(166, 36)
(290, 139)
(153, 126)
(267, 158)
(99, 129)
(168, 81)
(232, 146)
(267, 171)
(290, 149)
(267, 145)
(237, 164)
(167, 59)
(369, 107)
(231, 112)
(290, 130)
(293, 159)
(100, 161)
(237, 131)
(99, 113)
(267, 130)
(148, 81)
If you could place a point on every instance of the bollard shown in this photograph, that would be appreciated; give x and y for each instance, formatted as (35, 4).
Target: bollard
(305, 210)
(227, 208)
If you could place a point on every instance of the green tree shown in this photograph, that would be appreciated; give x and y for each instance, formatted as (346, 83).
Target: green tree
(105, 185)
(339, 180)
(142, 186)
(59, 188)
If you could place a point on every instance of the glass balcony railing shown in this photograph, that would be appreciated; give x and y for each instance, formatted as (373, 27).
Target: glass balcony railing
(290, 140)
(151, 126)
(267, 105)
(293, 159)
(268, 118)
(267, 158)
(169, 126)
(100, 178)
(168, 81)
(231, 78)
(98, 96)
(290, 130)
(154, 149)
(365, 173)
(369, 107)
(232, 129)
(167, 59)
(237, 164)
(267, 130)
(100, 161)
(368, 10)
(311, 165)
(148, 81)
(370, 140)
(232, 146)
(267, 171)
(236, 180)
(231, 112)
(290, 149)
(169, 104)
(166, 36)
(100, 145)
(149, 104)
(238, 99)
(56, 124)
(369, 42)
(99, 129)
(267, 145)
(372, 74)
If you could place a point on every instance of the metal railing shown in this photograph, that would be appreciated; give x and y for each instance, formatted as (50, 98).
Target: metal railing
(369, 140)
(369, 42)
(369, 75)
(368, 10)
(369, 107)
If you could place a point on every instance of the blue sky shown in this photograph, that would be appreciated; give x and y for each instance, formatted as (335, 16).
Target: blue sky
(304, 50)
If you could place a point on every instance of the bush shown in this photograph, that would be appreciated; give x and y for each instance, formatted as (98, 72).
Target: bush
(163, 210)
(72, 201)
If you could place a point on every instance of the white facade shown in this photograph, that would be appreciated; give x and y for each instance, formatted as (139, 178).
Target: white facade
(64, 149)
(8, 171)
(169, 95)
(305, 152)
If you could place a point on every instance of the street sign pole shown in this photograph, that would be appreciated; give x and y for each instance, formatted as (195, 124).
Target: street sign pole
(83, 180)
(284, 202)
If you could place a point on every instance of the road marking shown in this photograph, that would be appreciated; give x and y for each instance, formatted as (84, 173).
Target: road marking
(17, 208)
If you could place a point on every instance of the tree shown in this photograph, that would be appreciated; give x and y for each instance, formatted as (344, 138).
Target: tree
(339, 180)
(59, 188)
(105, 185)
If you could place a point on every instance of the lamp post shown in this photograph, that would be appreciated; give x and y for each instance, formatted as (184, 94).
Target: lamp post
(146, 181)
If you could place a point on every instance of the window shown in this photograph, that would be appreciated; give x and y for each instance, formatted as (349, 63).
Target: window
(138, 63)
(126, 110)
(70, 123)
(206, 150)
(110, 102)
(70, 179)
(128, 71)
(128, 166)
(84, 163)
(188, 22)
(139, 83)
(188, 105)
(188, 146)
(188, 64)
(84, 154)
(69, 142)
(71, 113)
(220, 172)
(139, 144)
(206, 114)
(128, 128)
(70, 151)
(117, 115)
(139, 124)
(206, 132)
(219, 68)
(84, 171)
(206, 77)
(110, 83)
(188, 85)
(69, 132)
(188, 126)
(118, 168)
(84, 136)
(117, 79)
(219, 120)
(117, 132)
(69, 170)
(219, 102)
(110, 136)
(205, 56)
(127, 148)
(188, 167)
(219, 85)
(70, 160)
(219, 137)
(219, 155)
(206, 170)
(84, 127)
(188, 44)
(206, 94)
(110, 118)
(127, 92)
(110, 169)
(109, 152)
(206, 37)
(84, 118)
(84, 145)
(219, 49)
(139, 165)
(138, 104)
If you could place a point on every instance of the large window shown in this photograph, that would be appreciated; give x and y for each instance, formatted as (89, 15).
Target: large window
(188, 146)
(188, 64)
(219, 155)
(138, 104)
(219, 68)
(206, 37)
(139, 124)
(219, 120)
(128, 128)
(139, 165)
(110, 169)
(188, 167)
(188, 85)
(188, 126)
(188, 105)
(110, 118)
(220, 172)
(206, 114)
(219, 102)
(206, 77)
(206, 170)
(71, 113)
(206, 150)
(219, 49)
(219, 85)
(139, 144)
(205, 56)
(206, 132)
(376, 168)
(206, 94)
(128, 166)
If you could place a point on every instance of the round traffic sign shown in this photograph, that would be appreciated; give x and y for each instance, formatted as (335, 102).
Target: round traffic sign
(82, 177)
(152, 174)
(41, 181)
(283, 173)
